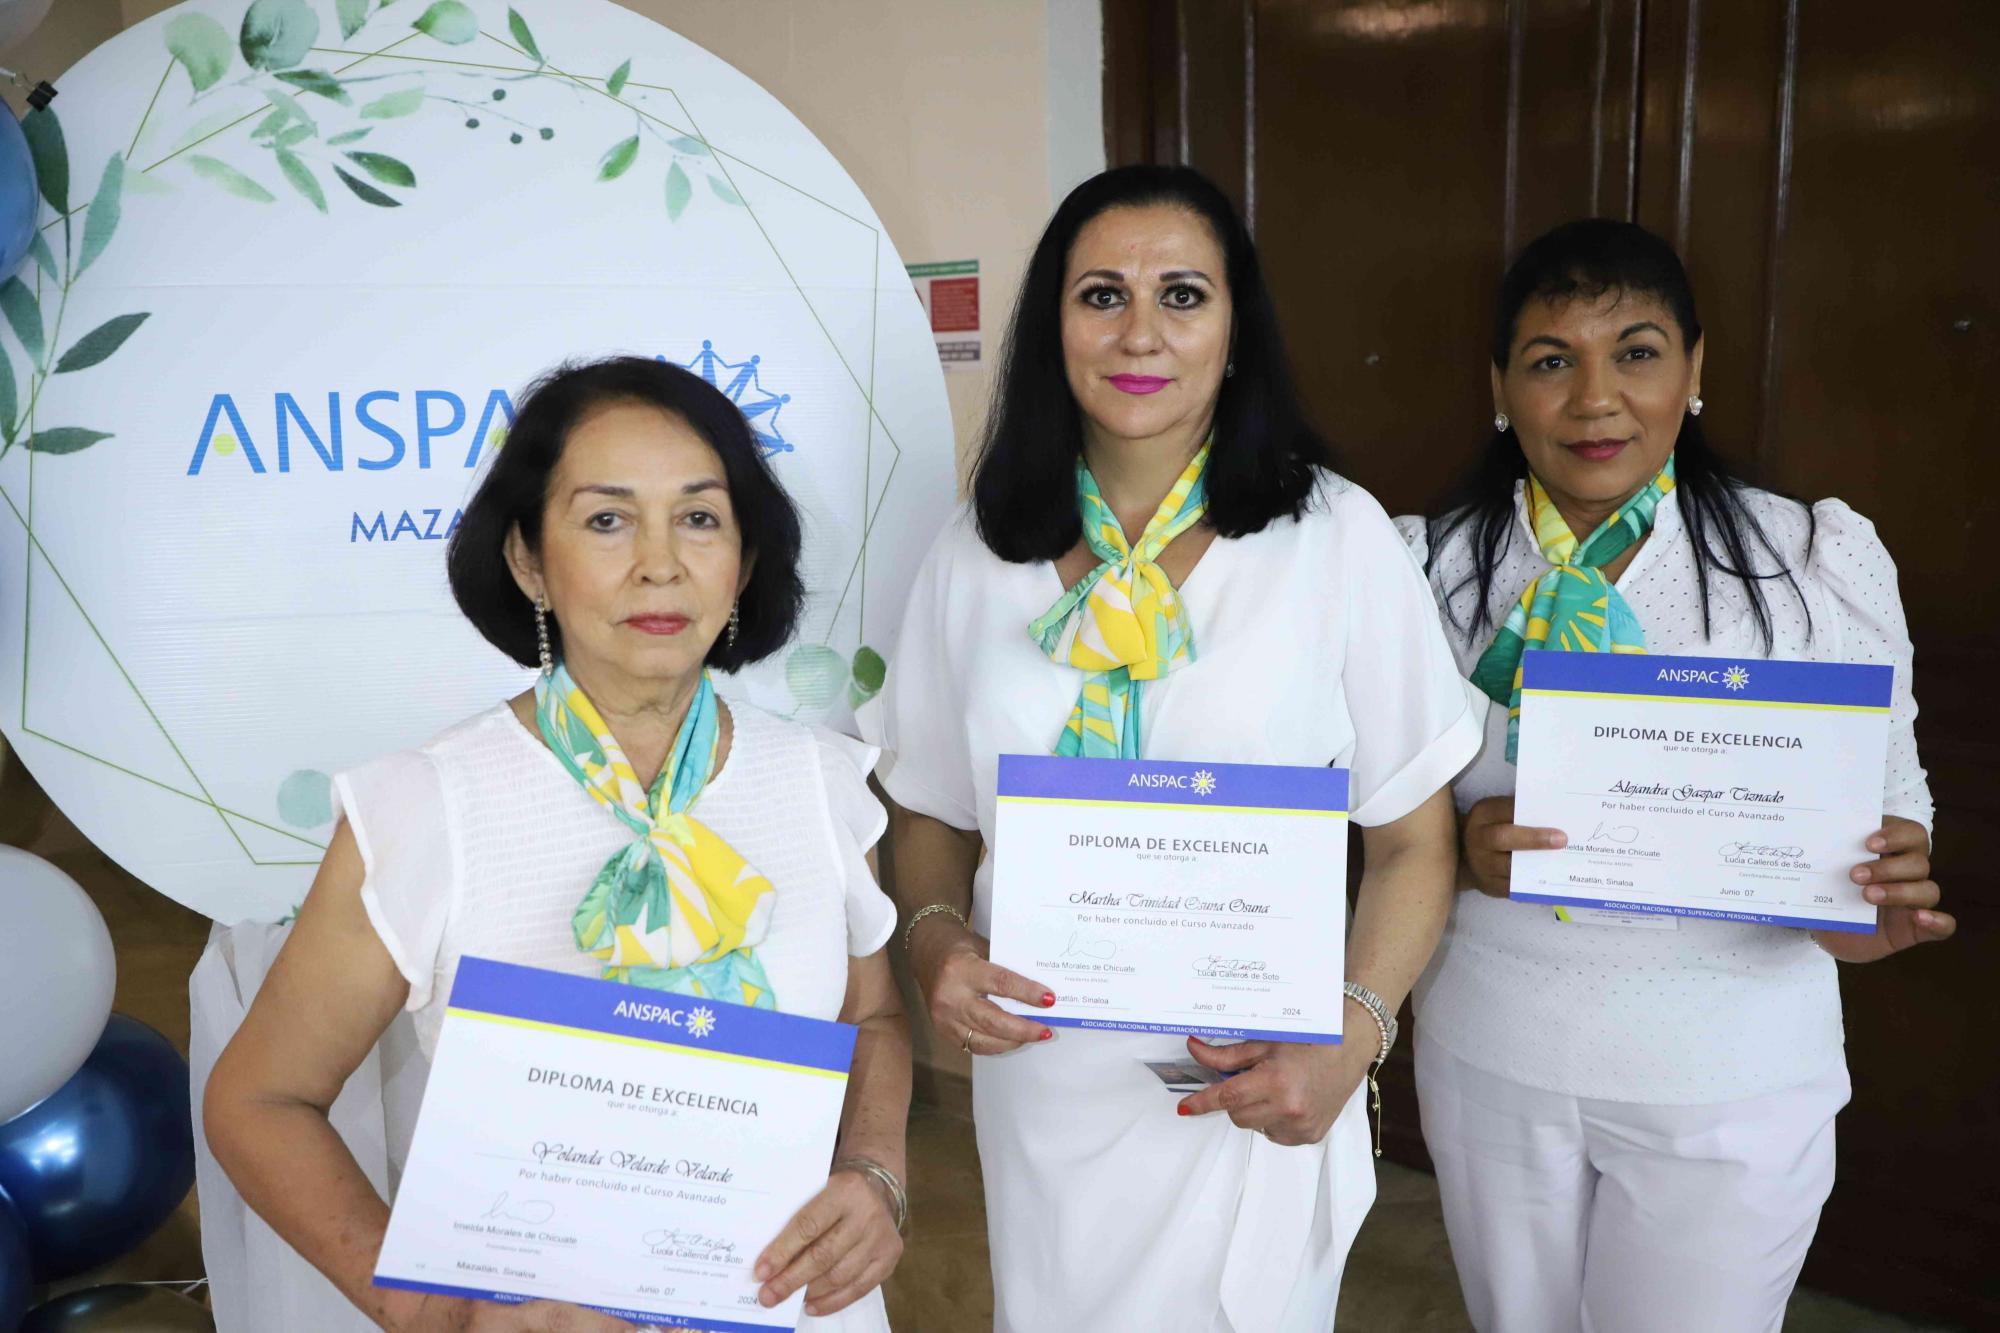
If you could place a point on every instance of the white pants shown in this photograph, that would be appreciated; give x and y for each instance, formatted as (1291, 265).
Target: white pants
(1568, 1215)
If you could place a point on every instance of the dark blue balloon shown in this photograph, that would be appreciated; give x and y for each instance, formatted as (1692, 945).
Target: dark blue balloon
(15, 1279)
(96, 1168)
(18, 202)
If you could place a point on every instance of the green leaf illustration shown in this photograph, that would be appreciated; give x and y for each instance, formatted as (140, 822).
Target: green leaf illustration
(203, 48)
(209, 126)
(301, 178)
(869, 669)
(724, 192)
(616, 83)
(388, 170)
(39, 248)
(270, 126)
(295, 136)
(102, 219)
(10, 401)
(285, 102)
(618, 158)
(814, 673)
(519, 27)
(230, 179)
(352, 14)
(317, 81)
(99, 343)
(448, 21)
(17, 303)
(694, 146)
(65, 440)
(45, 145)
(679, 190)
(349, 137)
(277, 33)
(401, 103)
(366, 192)
(144, 182)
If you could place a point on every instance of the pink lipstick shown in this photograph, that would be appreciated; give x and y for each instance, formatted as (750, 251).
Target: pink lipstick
(672, 624)
(1597, 450)
(1139, 383)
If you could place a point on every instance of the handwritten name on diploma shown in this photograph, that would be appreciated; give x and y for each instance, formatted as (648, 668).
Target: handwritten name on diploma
(1168, 902)
(1694, 793)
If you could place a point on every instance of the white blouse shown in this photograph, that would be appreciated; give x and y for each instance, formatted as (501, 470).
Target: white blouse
(1315, 644)
(1709, 1011)
(481, 843)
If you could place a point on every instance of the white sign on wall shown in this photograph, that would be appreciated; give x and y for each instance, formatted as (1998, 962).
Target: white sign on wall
(311, 251)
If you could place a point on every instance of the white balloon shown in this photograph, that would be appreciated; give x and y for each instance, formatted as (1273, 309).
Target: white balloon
(18, 18)
(57, 973)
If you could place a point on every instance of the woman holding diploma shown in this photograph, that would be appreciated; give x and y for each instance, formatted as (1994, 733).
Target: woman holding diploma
(1149, 493)
(619, 819)
(1632, 1116)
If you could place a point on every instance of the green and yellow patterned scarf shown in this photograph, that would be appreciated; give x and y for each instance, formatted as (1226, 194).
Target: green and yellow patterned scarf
(678, 909)
(1123, 622)
(1572, 608)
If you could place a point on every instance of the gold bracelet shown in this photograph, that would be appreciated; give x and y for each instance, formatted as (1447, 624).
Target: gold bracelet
(899, 1202)
(911, 929)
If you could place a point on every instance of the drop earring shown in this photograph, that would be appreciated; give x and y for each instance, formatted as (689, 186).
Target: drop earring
(1694, 405)
(729, 635)
(542, 637)
(1500, 422)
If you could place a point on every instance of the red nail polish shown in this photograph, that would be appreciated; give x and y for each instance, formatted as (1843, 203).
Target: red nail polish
(1048, 999)
(1180, 1108)
(1046, 1034)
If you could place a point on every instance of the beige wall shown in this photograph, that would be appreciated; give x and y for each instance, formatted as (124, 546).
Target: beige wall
(963, 121)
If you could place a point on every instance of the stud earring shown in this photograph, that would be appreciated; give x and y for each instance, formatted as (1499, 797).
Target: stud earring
(542, 637)
(1694, 405)
(729, 635)
(1500, 422)
(1229, 370)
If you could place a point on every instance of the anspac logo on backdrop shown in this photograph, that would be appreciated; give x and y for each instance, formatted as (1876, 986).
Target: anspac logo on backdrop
(388, 425)
(298, 258)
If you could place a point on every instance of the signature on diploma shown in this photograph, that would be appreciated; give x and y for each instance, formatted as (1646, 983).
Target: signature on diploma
(1761, 851)
(1089, 946)
(1228, 967)
(532, 1211)
(1622, 834)
(671, 1243)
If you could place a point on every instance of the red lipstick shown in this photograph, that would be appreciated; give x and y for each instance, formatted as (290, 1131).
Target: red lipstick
(668, 624)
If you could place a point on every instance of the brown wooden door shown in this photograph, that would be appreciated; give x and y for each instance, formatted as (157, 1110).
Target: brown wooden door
(1830, 170)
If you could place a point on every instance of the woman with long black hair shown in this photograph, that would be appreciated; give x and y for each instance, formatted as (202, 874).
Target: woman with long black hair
(1632, 1117)
(1150, 492)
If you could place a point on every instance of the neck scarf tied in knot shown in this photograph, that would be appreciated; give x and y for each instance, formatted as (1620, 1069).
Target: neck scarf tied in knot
(678, 909)
(1572, 608)
(1124, 621)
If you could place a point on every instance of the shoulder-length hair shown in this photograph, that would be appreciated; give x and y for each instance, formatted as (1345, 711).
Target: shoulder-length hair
(1264, 461)
(1589, 259)
(515, 491)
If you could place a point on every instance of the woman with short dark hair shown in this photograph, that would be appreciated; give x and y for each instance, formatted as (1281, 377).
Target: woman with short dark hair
(1632, 1116)
(1157, 563)
(628, 538)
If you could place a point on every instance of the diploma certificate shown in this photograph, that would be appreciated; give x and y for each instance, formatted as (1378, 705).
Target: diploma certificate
(629, 1149)
(1703, 787)
(1169, 897)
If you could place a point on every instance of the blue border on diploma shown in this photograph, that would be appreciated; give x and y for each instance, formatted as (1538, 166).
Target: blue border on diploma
(512, 991)
(1698, 913)
(1171, 782)
(1088, 1024)
(1848, 684)
(704, 1323)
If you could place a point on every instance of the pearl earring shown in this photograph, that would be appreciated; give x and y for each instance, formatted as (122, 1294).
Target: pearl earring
(542, 636)
(1694, 405)
(1500, 422)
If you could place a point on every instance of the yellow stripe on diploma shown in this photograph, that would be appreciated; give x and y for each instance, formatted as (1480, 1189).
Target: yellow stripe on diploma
(619, 1038)
(1702, 699)
(1172, 805)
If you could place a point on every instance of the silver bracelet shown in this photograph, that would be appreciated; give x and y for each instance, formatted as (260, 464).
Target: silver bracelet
(899, 1202)
(923, 912)
(1378, 1009)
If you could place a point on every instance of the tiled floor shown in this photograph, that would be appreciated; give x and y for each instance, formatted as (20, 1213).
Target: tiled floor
(1399, 1278)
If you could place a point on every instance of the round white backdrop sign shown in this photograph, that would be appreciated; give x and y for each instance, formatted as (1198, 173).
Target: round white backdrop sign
(298, 260)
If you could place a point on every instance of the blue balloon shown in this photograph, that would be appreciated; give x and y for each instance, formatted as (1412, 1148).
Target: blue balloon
(94, 1169)
(19, 205)
(15, 1278)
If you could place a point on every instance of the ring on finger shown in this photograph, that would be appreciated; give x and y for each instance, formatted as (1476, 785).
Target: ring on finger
(966, 1045)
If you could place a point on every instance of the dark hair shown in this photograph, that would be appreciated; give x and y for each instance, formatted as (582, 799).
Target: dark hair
(1592, 258)
(1263, 463)
(515, 492)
